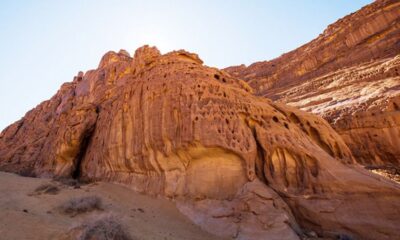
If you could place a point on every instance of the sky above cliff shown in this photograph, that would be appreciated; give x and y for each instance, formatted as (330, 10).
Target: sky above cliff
(45, 43)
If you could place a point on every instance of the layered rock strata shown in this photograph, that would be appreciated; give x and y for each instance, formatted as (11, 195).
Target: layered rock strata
(349, 75)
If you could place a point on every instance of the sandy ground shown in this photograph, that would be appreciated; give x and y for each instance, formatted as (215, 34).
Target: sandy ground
(26, 215)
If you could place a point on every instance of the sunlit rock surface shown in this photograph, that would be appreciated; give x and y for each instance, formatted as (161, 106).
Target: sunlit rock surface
(168, 125)
(350, 75)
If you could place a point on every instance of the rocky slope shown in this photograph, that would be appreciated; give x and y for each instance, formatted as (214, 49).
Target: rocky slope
(350, 75)
(240, 166)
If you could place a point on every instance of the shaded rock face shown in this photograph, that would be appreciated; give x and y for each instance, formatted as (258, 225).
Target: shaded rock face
(242, 165)
(350, 75)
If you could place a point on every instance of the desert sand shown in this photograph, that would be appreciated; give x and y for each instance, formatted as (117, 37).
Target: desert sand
(27, 215)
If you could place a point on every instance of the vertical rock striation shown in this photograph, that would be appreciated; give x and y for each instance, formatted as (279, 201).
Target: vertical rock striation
(168, 125)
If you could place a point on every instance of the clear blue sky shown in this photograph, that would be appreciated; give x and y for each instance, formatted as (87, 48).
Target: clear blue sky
(45, 43)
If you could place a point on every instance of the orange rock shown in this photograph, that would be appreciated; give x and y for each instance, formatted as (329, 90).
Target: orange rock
(168, 125)
(350, 75)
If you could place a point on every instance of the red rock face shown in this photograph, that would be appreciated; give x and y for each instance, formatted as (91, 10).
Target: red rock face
(242, 165)
(350, 75)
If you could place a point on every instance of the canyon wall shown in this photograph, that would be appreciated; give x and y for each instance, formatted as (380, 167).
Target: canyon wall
(240, 165)
(350, 75)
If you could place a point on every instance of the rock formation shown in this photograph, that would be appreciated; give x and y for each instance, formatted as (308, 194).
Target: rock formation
(350, 75)
(239, 165)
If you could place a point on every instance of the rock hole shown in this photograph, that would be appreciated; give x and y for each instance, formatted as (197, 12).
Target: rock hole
(294, 118)
(396, 107)
(216, 76)
(275, 119)
(77, 168)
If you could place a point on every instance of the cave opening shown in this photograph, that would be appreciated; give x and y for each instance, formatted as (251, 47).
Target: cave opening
(77, 168)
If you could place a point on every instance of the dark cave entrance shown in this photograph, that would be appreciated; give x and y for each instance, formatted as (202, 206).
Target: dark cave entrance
(76, 172)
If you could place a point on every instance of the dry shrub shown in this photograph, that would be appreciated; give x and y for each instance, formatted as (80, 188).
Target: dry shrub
(47, 188)
(80, 205)
(104, 227)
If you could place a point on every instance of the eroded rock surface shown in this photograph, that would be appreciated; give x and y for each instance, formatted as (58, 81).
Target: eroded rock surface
(256, 212)
(350, 75)
(362, 104)
(168, 125)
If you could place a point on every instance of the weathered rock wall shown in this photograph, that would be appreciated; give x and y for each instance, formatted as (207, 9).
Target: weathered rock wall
(349, 75)
(167, 125)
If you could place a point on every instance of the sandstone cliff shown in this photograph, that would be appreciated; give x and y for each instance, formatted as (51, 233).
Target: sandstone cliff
(239, 165)
(350, 75)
